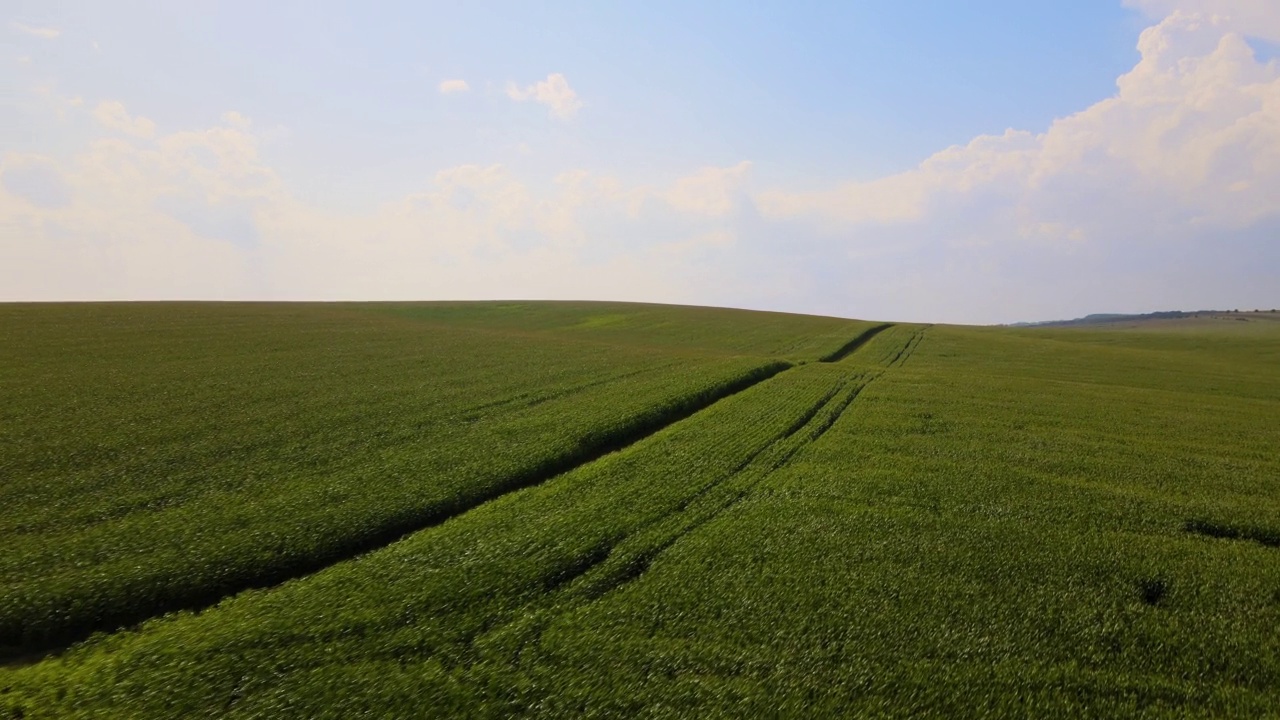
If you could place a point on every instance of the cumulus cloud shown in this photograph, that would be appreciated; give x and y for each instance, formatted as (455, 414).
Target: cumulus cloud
(49, 100)
(200, 214)
(554, 92)
(113, 115)
(48, 33)
(236, 120)
(1132, 203)
(1192, 136)
(1252, 18)
(709, 191)
(448, 87)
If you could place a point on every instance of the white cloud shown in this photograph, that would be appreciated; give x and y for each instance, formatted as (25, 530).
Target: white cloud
(48, 33)
(236, 120)
(199, 214)
(709, 191)
(113, 115)
(49, 99)
(1110, 208)
(1252, 18)
(1194, 126)
(554, 92)
(892, 199)
(448, 87)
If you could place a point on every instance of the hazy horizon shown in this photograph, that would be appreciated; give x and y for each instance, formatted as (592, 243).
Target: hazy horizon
(994, 163)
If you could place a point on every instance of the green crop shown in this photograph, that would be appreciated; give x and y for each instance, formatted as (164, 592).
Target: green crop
(443, 594)
(157, 456)
(937, 521)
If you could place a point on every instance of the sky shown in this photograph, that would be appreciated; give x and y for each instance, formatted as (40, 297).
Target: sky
(981, 162)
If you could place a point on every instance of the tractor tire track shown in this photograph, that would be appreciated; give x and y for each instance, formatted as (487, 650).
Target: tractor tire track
(852, 346)
(599, 555)
(633, 568)
(627, 569)
(909, 348)
(607, 570)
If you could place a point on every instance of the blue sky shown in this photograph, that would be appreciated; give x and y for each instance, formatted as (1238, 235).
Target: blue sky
(940, 161)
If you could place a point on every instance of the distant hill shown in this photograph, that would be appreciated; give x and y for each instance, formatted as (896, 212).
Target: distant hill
(1109, 318)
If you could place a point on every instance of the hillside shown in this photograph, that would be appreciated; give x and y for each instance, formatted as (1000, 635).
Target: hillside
(603, 509)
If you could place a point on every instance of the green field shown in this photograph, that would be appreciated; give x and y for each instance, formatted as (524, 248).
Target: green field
(612, 510)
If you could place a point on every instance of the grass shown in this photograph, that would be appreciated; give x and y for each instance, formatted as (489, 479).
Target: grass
(942, 521)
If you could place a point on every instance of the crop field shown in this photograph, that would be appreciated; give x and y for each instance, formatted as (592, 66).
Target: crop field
(613, 510)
